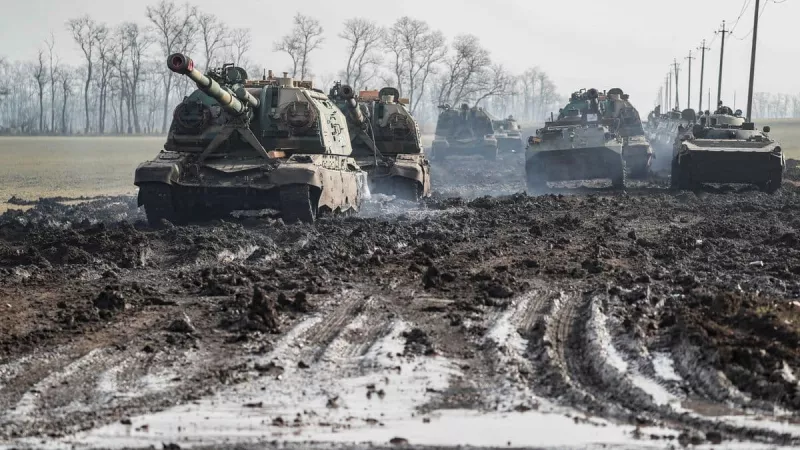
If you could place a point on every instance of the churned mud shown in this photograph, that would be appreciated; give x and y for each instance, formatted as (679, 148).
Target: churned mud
(484, 317)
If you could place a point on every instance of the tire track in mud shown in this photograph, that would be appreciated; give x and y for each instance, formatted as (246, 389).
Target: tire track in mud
(505, 346)
(103, 380)
(600, 380)
(341, 368)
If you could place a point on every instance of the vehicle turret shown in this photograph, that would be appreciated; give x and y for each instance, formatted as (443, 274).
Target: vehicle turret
(235, 102)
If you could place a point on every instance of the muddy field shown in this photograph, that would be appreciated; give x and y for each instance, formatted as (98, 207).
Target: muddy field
(484, 317)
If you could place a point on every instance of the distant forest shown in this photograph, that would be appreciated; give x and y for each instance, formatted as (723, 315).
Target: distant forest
(123, 87)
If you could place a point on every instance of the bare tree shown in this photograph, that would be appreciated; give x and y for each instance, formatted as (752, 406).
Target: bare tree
(175, 27)
(84, 31)
(392, 43)
(3, 90)
(215, 36)
(465, 69)
(420, 49)
(53, 69)
(530, 79)
(105, 53)
(363, 38)
(137, 42)
(310, 32)
(40, 75)
(121, 78)
(240, 44)
(305, 37)
(65, 77)
(494, 82)
(290, 44)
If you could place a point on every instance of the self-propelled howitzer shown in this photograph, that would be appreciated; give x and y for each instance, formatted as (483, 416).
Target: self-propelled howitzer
(239, 144)
(386, 141)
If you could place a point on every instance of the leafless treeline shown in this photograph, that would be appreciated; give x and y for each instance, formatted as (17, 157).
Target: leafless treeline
(122, 87)
(775, 106)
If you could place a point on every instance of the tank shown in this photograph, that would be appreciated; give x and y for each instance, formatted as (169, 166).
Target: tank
(462, 132)
(386, 141)
(577, 145)
(239, 144)
(724, 148)
(636, 149)
(508, 134)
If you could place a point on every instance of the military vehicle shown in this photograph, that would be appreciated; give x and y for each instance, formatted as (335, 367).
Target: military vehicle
(466, 131)
(234, 144)
(663, 129)
(386, 141)
(578, 145)
(724, 148)
(636, 149)
(508, 134)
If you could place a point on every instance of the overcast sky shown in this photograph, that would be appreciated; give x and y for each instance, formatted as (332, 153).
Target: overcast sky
(580, 43)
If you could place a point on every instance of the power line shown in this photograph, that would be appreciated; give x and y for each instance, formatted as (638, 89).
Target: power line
(751, 30)
(741, 13)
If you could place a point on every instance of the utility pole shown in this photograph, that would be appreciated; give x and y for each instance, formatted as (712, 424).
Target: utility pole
(677, 70)
(669, 91)
(709, 99)
(721, 56)
(752, 66)
(702, 48)
(689, 88)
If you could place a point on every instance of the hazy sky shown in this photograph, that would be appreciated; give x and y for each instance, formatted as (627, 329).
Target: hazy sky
(609, 43)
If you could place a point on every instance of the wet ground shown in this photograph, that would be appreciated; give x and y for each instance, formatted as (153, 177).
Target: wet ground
(582, 318)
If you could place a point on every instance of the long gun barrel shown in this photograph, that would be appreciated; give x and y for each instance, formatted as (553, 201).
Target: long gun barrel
(184, 65)
(352, 105)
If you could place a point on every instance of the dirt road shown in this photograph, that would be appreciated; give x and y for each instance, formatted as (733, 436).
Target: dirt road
(588, 317)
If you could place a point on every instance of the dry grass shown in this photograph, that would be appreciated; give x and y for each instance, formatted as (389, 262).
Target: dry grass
(33, 167)
(787, 132)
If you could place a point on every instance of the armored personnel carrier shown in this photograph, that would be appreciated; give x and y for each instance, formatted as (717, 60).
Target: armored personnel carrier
(724, 148)
(466, 131)
(508, 134)
(235, 144)
(578, 145)
(386, 141)
(636, 149)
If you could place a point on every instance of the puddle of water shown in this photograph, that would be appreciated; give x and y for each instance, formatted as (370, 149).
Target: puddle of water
(664, 367)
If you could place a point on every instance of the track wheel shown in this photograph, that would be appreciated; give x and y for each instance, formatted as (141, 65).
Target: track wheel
(618, 180)
(774, 183)
(158, 205)
(407, 190)
(297, 204)
(683, 180)
(641, 170)
(537, 182)
(675, 175)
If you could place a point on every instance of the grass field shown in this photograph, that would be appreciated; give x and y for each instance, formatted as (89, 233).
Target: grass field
(787, 132)
(33, 167)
